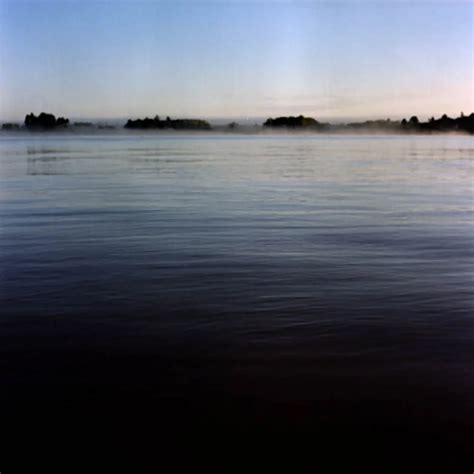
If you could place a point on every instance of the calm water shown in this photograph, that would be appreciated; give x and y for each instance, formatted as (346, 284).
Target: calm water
(317, 280)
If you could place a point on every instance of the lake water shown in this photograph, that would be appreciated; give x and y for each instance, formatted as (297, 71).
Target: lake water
(312, 282)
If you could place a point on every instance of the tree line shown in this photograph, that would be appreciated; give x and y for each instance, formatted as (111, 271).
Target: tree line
(463, 123)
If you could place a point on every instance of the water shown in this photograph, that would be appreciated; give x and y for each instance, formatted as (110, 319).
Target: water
(303, 281)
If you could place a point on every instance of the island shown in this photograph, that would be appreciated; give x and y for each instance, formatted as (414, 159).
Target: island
(45, 121)
(10, 126)
(177, 124)
(444, 124)
(295, 122)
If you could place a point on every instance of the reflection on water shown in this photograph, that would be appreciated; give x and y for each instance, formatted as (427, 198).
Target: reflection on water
(303, 269)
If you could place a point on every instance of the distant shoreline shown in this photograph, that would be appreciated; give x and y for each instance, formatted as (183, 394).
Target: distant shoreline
(47, 123)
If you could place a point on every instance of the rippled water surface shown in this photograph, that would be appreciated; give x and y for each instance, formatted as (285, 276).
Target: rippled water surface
(329, 273)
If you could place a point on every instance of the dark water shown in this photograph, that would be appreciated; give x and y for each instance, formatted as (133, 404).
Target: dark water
(318, 284)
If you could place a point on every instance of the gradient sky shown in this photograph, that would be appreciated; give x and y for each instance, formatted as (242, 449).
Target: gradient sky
(236, 59)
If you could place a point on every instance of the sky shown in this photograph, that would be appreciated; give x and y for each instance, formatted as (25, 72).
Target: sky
(329, 60)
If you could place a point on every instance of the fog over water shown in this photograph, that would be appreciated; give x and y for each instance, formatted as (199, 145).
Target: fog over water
(318, 281)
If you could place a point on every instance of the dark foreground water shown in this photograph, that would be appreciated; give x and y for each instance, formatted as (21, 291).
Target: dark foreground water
(317, 285)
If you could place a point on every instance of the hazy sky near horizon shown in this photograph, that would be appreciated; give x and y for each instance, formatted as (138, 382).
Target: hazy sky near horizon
(349, 59)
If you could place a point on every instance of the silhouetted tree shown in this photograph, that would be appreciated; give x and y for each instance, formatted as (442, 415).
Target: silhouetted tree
(184, 124)
(44, 121)
(61, 121)
(292, 122)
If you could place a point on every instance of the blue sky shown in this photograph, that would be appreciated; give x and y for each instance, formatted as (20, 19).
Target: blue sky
(329, 60)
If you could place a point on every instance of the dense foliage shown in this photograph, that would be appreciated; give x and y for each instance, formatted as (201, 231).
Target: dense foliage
(45, 121)
(178, 124)
(293, 122)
